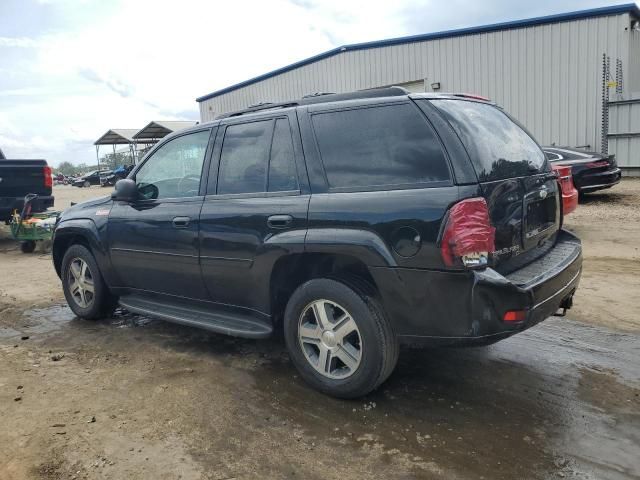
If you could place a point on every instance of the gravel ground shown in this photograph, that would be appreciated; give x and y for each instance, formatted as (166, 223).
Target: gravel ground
(608, 223)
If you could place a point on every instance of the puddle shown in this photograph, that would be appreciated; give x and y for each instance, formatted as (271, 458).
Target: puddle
(41, 321)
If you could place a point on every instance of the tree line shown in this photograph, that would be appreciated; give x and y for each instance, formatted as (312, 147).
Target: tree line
(109, 162)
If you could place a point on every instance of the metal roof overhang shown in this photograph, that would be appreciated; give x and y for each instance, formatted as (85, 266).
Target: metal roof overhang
(117, 136)
(159, 129)
(631, 8)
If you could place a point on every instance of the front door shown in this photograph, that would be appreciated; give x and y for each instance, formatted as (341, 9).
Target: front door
(257, 197)
(153, 241)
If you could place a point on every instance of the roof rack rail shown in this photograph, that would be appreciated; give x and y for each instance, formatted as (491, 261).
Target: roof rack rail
(258, 108)
(360, 94)
(320, 97)
(473, 96)
(317, 94)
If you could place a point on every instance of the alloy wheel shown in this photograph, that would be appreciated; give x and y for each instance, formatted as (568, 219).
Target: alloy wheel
(80, 283)
(330, 339)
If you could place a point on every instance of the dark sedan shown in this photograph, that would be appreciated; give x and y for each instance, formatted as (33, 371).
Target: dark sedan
(591, 171)
(92, 178)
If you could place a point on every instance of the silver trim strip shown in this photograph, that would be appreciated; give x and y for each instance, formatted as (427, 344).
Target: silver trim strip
(152, 252)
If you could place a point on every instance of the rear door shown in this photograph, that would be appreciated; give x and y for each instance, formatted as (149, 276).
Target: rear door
(515, 177)
(256, 194)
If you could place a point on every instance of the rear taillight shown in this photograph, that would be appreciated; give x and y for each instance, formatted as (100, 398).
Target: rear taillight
(48, 179)
(598, 164)
(567, 188)
(468, 236)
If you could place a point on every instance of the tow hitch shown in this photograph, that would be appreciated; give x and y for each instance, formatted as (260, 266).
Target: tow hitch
(566, 304)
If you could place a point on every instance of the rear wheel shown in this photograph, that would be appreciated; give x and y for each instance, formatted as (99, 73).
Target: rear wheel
(85, 290)
(338, 338)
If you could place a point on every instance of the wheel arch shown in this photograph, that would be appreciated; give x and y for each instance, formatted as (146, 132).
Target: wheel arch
(73, 232)
(291, 271)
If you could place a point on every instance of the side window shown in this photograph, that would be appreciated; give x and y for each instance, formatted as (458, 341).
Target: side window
(257, 157)
(379, 146)
(282, 167)
(174, 170)
(244, 157)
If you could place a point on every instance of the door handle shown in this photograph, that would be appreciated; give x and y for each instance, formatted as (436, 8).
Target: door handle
(181, 222)
(279, 221)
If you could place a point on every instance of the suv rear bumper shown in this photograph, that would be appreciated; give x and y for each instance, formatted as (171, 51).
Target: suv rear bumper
(458, 308)
(9, 204)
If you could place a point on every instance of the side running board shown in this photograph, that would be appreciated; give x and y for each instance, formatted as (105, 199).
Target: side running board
(212, 318)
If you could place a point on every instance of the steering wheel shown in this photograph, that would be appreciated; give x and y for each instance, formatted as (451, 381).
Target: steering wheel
(190, 178)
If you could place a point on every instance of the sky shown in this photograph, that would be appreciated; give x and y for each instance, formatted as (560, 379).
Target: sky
(72, 69)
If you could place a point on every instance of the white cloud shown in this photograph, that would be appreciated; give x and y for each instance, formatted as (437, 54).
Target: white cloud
(121, 64)
(20, 42)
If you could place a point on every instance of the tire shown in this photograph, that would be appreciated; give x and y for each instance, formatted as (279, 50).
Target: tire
(372, 348)
(28, 246)
(97, 305)
(86, 184)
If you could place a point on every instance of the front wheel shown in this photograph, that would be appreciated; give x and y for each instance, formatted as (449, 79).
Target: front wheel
(339, 338)
(86, 184)
(86, 293)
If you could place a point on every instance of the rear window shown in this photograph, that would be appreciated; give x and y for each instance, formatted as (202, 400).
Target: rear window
(498, 147)
(390, 145)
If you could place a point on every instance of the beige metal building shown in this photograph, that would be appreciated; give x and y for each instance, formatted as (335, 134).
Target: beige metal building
(547, 71)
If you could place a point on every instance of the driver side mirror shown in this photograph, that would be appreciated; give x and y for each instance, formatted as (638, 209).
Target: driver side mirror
(126, 191)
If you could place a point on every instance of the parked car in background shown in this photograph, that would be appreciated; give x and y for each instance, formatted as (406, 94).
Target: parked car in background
(60, 179)
(91, 178)
(19, 178)
(351, 222)
(118, 174)
(591, 171)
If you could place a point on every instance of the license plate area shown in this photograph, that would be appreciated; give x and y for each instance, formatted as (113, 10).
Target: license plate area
(540, 216)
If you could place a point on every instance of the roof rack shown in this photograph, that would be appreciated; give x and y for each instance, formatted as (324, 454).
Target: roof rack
(258, 108)
(317, 94)
(320, 98)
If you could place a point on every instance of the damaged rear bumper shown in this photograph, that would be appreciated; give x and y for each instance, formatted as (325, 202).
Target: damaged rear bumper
(467, 308)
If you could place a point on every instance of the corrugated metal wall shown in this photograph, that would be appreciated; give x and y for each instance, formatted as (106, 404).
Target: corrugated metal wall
(624, 133)
(547, 76)
(633, 86)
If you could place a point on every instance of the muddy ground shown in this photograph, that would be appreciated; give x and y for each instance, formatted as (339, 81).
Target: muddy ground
(131, 398)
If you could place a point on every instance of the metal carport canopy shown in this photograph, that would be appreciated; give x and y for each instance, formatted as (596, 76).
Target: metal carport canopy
(159, 129)
(117, 136)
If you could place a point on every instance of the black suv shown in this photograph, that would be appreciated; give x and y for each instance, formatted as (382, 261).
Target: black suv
(353, 222)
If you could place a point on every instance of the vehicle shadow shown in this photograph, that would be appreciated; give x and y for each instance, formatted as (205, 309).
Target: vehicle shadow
(601, 197)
